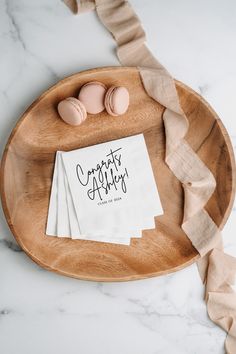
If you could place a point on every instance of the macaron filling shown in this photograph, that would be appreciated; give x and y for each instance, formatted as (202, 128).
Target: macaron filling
(111, 101)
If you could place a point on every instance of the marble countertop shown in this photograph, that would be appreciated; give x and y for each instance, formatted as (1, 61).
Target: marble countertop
(41, 312)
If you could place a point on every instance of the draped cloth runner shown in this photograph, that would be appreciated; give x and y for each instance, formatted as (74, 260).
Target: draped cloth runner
(216, 269)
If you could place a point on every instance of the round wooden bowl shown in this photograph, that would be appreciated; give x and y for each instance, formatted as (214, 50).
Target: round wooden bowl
(27, 168)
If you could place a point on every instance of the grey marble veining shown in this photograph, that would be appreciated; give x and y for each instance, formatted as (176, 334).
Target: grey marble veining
(41, 312)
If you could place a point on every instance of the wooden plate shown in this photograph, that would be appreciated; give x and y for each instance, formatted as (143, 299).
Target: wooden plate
(27, 168)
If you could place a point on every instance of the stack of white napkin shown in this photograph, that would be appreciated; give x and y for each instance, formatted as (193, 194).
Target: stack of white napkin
(106, 192)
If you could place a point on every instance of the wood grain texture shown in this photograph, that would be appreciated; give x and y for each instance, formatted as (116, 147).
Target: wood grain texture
(27, 169)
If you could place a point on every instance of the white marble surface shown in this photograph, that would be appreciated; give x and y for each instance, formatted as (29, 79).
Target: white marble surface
(40, 312)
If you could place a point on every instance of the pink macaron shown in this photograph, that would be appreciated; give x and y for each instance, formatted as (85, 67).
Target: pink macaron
(92, 96)
(117, 100)
(72, 111)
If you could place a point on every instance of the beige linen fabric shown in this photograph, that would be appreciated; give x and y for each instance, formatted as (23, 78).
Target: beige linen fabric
(216, 269)
(80, 6)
